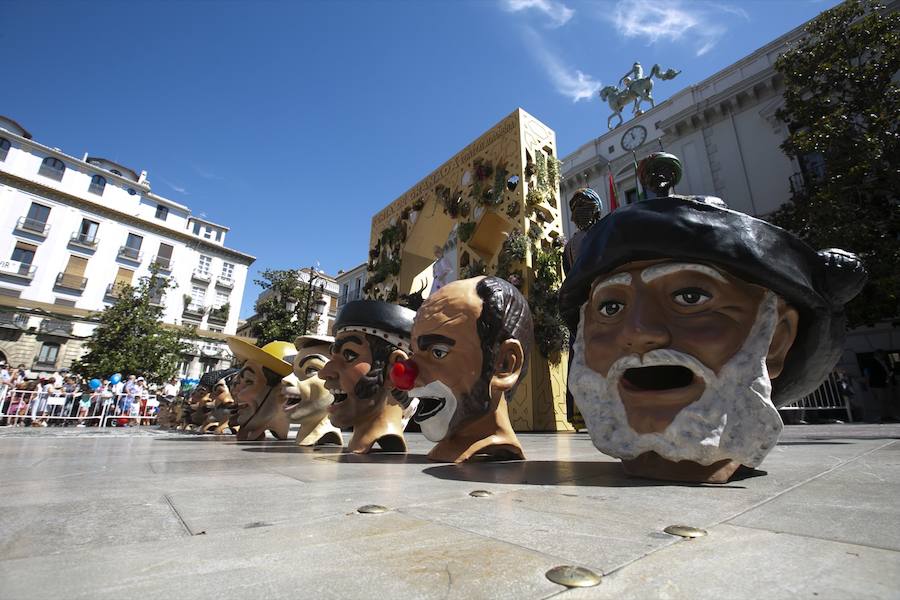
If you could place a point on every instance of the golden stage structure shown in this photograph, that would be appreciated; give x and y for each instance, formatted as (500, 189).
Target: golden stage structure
(492, 209)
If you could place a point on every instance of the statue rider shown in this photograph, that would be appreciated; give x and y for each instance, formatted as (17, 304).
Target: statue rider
(636, 72)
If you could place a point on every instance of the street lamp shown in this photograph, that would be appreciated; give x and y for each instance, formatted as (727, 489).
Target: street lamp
(320, 302)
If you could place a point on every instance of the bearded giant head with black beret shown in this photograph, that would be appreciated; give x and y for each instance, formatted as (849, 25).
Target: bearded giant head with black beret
(693, 323)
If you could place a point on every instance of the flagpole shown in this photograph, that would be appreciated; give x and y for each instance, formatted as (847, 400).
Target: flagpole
(637, 183)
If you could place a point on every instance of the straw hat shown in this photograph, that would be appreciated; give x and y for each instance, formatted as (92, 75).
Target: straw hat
(276, 356)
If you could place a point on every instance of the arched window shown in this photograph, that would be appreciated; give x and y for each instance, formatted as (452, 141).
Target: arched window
(98, 183)
(52, 168)
(115, 172)
(4, 148)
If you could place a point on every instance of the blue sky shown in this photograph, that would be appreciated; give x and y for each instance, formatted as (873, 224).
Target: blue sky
(294, 122)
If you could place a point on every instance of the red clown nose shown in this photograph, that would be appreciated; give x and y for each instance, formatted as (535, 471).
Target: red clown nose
(403, 374)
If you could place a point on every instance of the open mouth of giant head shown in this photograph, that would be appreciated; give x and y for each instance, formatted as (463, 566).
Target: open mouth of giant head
(659, 378)
(428, 407)
(339, 397)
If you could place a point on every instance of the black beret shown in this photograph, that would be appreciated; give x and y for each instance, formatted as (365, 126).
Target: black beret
(817, 284)
(211, 378)
(376, 318)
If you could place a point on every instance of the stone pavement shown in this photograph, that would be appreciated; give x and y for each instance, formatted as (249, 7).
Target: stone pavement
(145, 514)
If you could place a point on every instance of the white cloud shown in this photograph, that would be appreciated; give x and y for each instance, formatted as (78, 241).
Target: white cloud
(674, 21)
(569, 82)
(177, 188)
(558, 13)
(205, 174)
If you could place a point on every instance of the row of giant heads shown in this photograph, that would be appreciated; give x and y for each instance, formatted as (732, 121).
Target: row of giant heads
(691, 324)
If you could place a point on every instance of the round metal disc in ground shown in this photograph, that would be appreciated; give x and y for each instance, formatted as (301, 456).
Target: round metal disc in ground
(573, 577)
(685, 531)
(480, 493)
(371, 509)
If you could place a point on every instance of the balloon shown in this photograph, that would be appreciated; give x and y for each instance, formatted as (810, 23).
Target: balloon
(115, 378)
(95, 384)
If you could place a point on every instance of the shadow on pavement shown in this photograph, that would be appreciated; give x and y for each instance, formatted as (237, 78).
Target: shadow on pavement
(562, 472)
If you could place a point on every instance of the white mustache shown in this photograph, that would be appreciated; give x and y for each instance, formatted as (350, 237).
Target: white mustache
(663, 357)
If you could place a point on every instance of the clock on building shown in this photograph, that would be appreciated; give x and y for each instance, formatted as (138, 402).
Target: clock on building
(634, 137)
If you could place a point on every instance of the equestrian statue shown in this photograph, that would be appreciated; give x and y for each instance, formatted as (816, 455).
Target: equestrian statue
(637, 89)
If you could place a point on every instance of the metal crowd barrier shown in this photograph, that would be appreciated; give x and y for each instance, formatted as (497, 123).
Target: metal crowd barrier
(827, 396)
(18, 407)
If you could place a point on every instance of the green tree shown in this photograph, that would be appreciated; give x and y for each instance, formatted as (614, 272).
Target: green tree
(842, 107)
(286, 312)
(131, 337)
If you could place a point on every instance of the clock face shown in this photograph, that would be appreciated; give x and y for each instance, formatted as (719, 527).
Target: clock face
(634, 137)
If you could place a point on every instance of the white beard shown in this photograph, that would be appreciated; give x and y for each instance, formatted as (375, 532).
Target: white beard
(733, 419)
(435, 428)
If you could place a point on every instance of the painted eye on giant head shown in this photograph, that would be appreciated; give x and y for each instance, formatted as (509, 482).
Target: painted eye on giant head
(349, 355)
(439, 351)
(609, 308)
(311, 370)
(691, 297)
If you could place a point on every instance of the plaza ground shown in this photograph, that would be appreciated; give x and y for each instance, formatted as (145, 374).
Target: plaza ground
(139, 513)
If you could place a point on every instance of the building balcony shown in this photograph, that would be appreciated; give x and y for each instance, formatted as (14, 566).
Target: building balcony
(225, 282)
(32, 227)
(9, 320)
(84, 240)
(157, 299)
(194, 311)
(164, 264)
(129, 253)
(203, 276)
(55, 327)
(71, 282)
(113, 291)
(219, 315)
(15, 268)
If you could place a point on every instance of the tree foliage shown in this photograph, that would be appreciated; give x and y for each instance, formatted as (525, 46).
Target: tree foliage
(131, 337)
(283, 313)
(842, 107)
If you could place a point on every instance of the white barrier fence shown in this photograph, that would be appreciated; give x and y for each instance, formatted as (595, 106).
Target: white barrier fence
(41, 409)
(827, 396)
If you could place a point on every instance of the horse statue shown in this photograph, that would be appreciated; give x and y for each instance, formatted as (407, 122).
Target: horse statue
(637, 89)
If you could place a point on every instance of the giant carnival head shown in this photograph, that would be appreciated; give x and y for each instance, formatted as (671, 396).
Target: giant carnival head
(470, 344)
(369, 335)
(693, 323)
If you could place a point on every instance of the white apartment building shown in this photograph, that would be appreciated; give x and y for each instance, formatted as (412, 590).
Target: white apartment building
(71, 228)
(323, 307)
(351, 284)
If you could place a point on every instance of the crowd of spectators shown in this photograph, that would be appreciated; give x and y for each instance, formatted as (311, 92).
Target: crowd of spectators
(64, 399)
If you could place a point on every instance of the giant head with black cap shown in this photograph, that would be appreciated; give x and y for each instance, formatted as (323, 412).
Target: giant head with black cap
(369, 336)
(693, 323)
(258, 389)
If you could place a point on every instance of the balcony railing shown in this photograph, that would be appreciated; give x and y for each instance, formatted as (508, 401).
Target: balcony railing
(225, 282)
(84, 240)
(55, 327)
(218, 315)
(48, 171)
(201, 275)
(129, 253)
(13, 320)
(194, 310)
(163, 262)
(17, 269)
(72, 282)
(113, 291)
(32, 226)
(157, 299)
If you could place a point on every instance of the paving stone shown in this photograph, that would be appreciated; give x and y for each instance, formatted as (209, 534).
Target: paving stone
(857, 503)
(354, 556)
(739, 563)
(139, 513)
